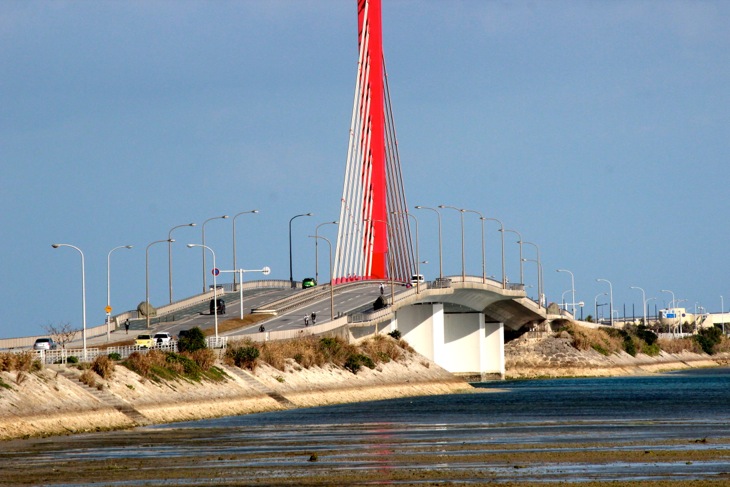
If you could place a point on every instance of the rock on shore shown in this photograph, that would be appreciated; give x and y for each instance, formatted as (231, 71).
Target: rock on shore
(554, 356)
(52, 402)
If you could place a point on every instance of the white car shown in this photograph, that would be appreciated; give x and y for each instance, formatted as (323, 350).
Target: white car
(162, 338)
(44, 344)
(417, 279)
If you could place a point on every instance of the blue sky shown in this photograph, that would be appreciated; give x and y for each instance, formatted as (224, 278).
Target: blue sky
(599, 130)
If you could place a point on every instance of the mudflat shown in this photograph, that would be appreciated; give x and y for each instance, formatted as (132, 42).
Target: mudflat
(200, 456)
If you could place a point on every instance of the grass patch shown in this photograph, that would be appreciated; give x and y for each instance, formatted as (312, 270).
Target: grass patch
(309, 351)
(168, 366)
(19, 362)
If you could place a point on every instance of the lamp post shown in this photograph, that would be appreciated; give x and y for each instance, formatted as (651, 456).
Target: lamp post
(147, 278)
(234, 241)
(291, 268)
(643, 300)
(438, 214)
(722, 312)
(595, 304)
(169, 254)
(484, 255)
(265, 271)
(83, 290)
(108, 288)
(647, 304)
(223, 217)
(463, 261)
(418, 255)
(519, 236)
(540, 295)
(316, 248)
(215, 285)
(539, 280)
(670, 292)
(572, 286)
(504, 275)
(332, 288)
(610, 290)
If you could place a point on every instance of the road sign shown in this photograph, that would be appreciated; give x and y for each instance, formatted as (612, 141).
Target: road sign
(108, 309)
(215, 271)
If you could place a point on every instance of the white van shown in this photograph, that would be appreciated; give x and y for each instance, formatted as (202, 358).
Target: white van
(417, 279)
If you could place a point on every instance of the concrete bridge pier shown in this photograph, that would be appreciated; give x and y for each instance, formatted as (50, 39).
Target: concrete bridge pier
(461, 342)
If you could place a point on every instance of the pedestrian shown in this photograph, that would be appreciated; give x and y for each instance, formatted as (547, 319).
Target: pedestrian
(262, 329)
(314, 317)
(306, 320)
(126, 326)
(382, 289)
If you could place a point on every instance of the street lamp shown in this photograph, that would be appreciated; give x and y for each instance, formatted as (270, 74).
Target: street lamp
(291, 271)
(504, 275)
(83, 290)
(332, 288)
(670, 292)
(223, 217)
(169, 254)
(418, 255)
(540, 294)
(108, 288)
(215, 285)
(147, 278)
(519, 236)
(265, 271)
(234, 241)
(643, 300)
(722, 311)
(484, 257)
(572, 286)
(610, 290)
(316, 248)
(539, 280)
(595, 304)
(461, 215)
(438, 214)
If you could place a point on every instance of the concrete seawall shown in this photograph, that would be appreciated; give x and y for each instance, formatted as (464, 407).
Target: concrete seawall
(54, 402)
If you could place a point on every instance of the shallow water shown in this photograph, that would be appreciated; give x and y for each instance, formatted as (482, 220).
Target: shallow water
(660, 427)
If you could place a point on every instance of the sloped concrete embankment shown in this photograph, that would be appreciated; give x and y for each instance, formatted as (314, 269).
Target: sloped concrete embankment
(53, 401)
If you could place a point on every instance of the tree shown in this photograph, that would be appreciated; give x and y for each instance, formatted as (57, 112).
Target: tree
(62, 333)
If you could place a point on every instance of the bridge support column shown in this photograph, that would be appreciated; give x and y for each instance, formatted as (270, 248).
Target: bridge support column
(462, 343)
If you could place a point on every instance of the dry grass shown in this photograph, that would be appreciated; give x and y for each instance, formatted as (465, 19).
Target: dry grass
(88, 377)
(596, 339)
(103, 366)
(679, 345)
(310, 351)
(19, 362)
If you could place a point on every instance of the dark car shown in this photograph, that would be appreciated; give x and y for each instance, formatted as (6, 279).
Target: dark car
(308, 282)
(221, 308)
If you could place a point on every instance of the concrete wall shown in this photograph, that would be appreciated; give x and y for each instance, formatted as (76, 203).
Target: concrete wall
(417, 324)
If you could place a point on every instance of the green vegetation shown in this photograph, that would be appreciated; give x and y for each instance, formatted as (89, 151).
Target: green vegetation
(193, 366)
(115, 356)
(310, 352)
(192, 340)
(640, 339)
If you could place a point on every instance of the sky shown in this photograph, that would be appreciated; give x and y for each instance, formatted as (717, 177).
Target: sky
(598, 130)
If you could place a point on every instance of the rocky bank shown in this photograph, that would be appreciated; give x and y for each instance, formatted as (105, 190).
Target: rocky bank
(554, 356)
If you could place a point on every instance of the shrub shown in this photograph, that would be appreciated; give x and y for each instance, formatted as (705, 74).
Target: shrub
(139, 363)
(103, 366)
(245, 357)
(707, 338)
(115, 356)
(72, 359)
(192, 340)
(182, 364)
(25, 362)
(355, 361)
(88, 378)
(395, 334)
(646, 334)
